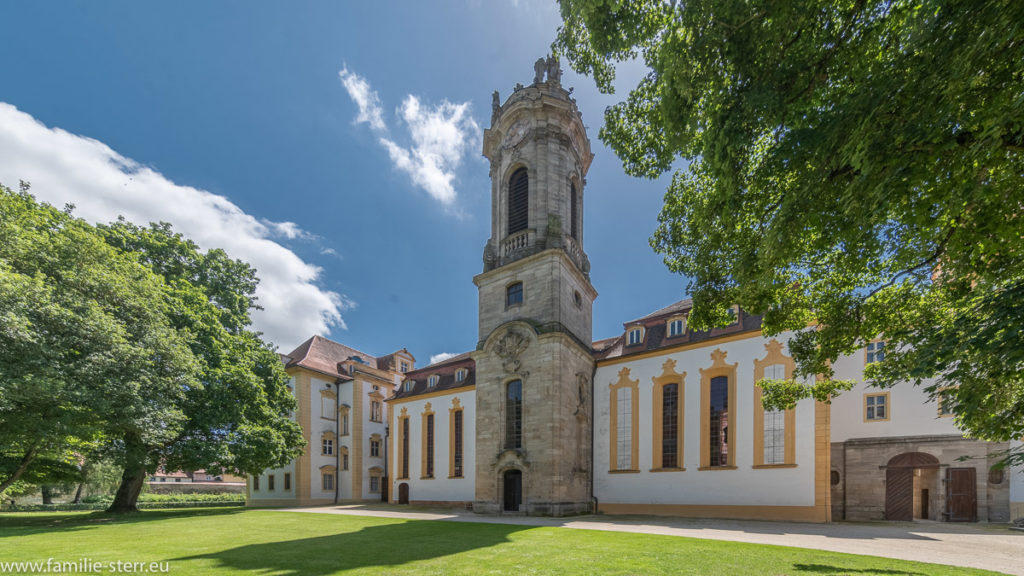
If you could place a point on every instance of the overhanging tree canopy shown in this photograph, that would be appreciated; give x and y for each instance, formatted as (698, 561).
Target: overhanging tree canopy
(856, 164)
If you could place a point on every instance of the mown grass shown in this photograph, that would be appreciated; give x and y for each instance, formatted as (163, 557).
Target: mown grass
(239, 541)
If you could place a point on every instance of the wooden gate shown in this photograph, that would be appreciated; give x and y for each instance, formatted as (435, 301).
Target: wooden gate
(899, 494)
(961, 495)
(403, 493)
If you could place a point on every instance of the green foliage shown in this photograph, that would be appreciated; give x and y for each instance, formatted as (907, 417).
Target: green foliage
(85, 346)
(851, 170)
(237, 416)
(129, 345)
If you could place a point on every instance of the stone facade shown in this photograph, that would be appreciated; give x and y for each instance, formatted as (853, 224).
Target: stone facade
(544, 340)
(859, 480)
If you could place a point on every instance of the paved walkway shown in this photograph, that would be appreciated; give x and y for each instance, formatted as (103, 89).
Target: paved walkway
(987, 546)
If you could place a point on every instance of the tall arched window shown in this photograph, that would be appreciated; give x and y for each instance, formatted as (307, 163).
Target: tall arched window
(574, 212)
(670, 426)
(518, 201)
(719, 430)
(514, 414)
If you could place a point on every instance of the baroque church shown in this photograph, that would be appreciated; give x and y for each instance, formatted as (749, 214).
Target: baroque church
(660, 419)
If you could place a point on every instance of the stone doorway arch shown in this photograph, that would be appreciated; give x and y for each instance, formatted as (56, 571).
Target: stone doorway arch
(912, 487)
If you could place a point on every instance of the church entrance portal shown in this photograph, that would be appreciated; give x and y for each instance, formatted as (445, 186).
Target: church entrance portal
(513, 481)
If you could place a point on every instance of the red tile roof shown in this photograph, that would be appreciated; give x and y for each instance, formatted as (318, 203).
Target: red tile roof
(445, 370)
(322, 355)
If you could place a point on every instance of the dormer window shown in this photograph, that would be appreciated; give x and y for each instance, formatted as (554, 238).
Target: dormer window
(460, 374)
(676, 326)
(432, 380)
(734, 313)
(403, 366)
(409, 384)
(635, 335)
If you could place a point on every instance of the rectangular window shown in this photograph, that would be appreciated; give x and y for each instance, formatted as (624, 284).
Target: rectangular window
(375, 411)
(255, 483)
(719, 419)
(270, 482)
(875, 352)
(636, 336)
(344, 461)
(946, 403)
(876, 407)
(676, 327)
(430, 446)
(327, 407)
(287, 481)
(405, 448)
(514, 294)
(458, 444)
(460, 375)
(375, 448)
(669, 426)
(734, 314)
(403, 367)
(624, 432)
(327, 448)
(375, 484)
(344, 424)
(328, 481)
(514, 414)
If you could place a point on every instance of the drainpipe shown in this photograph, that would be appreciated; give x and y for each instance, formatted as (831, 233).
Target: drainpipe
(337, 437)
(385, 481)
(592, 418)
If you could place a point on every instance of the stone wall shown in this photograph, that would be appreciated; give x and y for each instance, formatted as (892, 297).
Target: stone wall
(860, 493)
(555, 455)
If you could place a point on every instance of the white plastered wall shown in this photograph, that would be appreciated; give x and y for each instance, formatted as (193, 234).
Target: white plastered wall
(743, 486)
(441, 488)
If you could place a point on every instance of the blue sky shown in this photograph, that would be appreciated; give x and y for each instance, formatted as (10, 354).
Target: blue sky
(230, 120)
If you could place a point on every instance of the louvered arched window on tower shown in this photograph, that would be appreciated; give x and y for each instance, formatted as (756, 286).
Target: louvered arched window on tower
(518, 201)
(574, 216)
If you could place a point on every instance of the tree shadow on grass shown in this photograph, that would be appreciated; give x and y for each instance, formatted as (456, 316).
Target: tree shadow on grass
(371, 546)
(25, 524)
(829, 569)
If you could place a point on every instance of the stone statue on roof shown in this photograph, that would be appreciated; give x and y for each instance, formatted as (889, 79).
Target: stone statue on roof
(554, 71)
(539, 67)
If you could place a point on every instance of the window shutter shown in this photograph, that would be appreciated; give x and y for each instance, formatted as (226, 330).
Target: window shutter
(518, 201)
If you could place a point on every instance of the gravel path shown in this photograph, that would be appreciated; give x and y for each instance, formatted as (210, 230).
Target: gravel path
(987, 546)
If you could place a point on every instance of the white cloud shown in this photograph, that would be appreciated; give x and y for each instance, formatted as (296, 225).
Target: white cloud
(289, 230)
(358, 89)
(441, 357)
(440, 136)
(66, 168)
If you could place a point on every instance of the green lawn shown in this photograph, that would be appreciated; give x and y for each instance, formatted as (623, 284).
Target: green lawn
(236, 541)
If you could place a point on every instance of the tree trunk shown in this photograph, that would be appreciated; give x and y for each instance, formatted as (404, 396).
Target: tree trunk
(78, 493)
(22, 466)
(47, 494)
(134, 475)
(128, 492)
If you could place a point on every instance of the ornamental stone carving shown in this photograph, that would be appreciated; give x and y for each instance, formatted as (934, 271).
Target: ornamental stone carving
(509, 348)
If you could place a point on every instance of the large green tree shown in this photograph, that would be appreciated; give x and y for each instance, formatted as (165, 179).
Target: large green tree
(131, 345)
(237, 415)
(85, 343)
(851, 169)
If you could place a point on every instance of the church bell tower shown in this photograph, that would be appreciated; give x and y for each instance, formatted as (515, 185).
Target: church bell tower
(533, 360)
